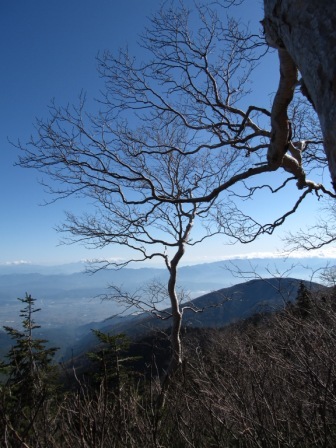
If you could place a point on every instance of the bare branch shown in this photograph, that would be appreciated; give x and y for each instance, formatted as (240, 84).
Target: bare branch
(176, 145)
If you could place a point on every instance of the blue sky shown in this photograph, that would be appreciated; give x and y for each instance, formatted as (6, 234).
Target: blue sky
(48, 50)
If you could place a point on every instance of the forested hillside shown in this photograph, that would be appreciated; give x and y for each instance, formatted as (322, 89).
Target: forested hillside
(213, 310)
(268, 380)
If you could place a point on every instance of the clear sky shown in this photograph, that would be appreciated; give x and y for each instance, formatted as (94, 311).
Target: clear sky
(48, 50)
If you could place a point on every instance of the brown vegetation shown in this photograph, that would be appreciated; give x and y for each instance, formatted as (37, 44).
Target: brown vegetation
(265, 382)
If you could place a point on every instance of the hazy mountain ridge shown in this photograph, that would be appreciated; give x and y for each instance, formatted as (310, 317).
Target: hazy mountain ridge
(207, 276)
(217, 309)
(80, 267)
(226, 305)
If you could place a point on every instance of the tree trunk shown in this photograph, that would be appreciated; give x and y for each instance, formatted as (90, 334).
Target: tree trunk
(175, 360)
(306, 29)
(175, 338)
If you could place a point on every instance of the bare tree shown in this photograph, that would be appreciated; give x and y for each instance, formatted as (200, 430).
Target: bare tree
(175, 146)
(319, 234)
(152, 229)
(305, 37)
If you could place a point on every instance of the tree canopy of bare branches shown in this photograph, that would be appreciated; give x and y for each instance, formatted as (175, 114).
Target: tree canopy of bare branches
(175, 145)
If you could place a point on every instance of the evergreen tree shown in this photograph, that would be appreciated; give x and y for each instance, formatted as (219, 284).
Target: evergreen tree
(303, 301)
(29, 360)
(29, 376)
(111, 361)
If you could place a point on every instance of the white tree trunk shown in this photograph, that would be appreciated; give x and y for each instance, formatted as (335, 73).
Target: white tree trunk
(306, 29)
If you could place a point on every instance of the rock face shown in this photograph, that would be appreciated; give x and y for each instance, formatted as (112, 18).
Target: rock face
(306, 29)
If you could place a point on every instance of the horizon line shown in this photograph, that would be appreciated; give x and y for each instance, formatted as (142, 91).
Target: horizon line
(319, 254)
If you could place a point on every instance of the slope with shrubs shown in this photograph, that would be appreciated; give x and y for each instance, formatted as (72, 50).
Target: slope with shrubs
(268, 381)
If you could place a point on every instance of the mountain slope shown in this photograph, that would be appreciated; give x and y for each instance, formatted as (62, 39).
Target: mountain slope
(215, 309)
